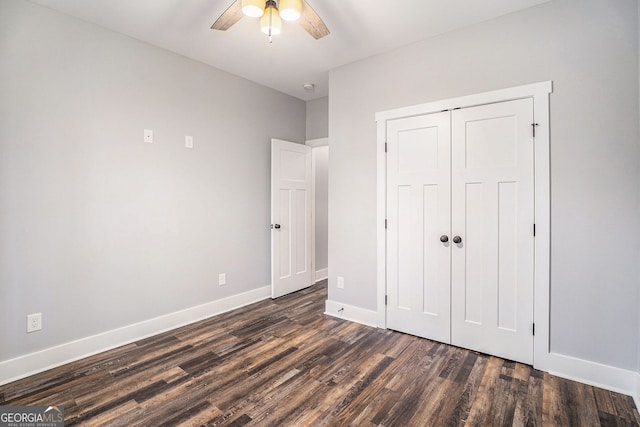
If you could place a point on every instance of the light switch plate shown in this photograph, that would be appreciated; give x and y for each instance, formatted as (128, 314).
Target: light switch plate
(188, 141)
(148, 136)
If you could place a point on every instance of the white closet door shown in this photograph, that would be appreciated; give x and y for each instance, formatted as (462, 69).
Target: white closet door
(493, 214)
(418, 214)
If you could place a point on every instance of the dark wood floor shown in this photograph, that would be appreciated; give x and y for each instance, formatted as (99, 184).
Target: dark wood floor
(284, 363)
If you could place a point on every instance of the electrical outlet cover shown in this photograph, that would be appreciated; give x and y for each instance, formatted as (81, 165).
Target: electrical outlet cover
(34, 322)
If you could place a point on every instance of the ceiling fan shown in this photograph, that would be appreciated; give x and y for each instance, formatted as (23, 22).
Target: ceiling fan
(271, 14)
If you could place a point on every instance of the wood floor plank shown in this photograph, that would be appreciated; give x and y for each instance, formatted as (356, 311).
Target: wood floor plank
(625, 407)
(459, 414)
(528, 411)
(604, 401)
(585, 401)
(283, 362)
(481, 408)
(418, 383)
(303, 396)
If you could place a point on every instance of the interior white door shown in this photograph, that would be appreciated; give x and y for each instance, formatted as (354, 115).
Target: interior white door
(418, 216)
(493, 215)
(290, 217)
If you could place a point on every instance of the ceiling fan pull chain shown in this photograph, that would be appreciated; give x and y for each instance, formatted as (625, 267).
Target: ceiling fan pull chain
(270, 26)
(269, 10)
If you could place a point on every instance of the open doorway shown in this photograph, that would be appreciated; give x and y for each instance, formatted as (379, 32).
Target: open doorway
(320, 162)
(299, 199)
(319, 194)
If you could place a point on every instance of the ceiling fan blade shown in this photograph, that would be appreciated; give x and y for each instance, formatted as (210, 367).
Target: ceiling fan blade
(229, 17)
(312, 23)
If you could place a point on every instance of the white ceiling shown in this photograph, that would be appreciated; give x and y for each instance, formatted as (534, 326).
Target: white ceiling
(359, 29)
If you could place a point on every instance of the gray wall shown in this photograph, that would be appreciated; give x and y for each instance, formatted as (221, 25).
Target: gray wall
(318, 118)
(321, 156)
(98, 229)
(590, 51)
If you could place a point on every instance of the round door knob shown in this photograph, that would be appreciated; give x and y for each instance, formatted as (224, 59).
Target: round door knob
(444, 238)
(277, 226)
(457, 239)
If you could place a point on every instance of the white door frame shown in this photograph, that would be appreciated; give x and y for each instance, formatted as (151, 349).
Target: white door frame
(539, 92)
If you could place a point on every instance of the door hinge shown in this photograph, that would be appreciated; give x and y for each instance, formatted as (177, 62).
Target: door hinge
(534, 126)
(386, 299)
(534, 230)
(385, 224)
(385, 147)
(533, 329)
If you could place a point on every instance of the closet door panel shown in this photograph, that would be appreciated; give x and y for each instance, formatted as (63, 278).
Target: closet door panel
(418, 215)
(493, 214)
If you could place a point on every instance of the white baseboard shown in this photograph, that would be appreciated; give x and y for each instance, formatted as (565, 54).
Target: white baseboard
(636, 395)
(33, 363)
(595, 374)
(321, 275)
(352, 313)
(591, 373)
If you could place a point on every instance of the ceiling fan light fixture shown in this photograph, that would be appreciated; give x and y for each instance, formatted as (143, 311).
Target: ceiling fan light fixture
(290, 10)
(253, 8)
(270, 23)
(271, 13)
